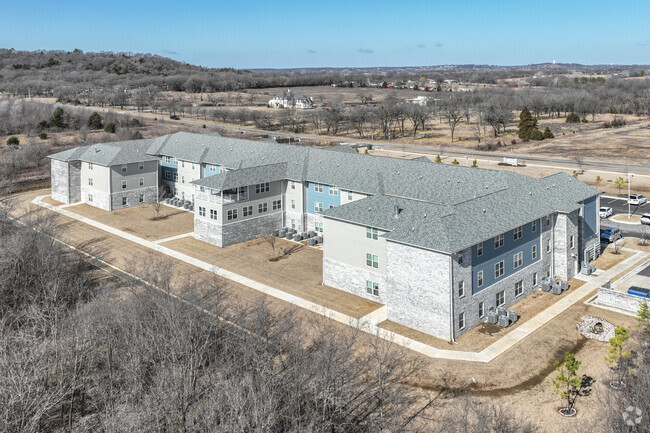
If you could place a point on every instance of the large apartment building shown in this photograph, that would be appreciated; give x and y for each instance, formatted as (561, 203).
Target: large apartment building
(439, 245)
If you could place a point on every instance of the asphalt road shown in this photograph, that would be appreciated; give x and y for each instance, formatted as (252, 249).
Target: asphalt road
(619, 206)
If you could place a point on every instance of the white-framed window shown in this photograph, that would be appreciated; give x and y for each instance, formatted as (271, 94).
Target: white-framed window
(372, 288)
(548, 271)
(168, 174)
(318, 227)
(213, 214)
(168, 159)
(174, 161)
(533, 226)
(350, 195)
(461, 289)
(183, 164)
(90, 181)
(90, 198)
(499, 269)
(90, 166)
(518, 259)
(461, 320)
(372, 233)
(518, 233)
(140, 165)
(141, 181)
(372, 260)
(125, 201)
(293, 204)
(182, 179)
(262, 207)
(247, 211)
(572, 241)
(277, 204)
(460, 258)
(481, 309)
(534, 251)
(519, 288)
(479, 279)
(192, 166)
(141, 198)
(124, 168)
(498, 241)
(333, 190)
(501, 298)
(183, 195)
(232, 214)
(293, 223)
(175, 176)
(123, 184)
(318, 187)
(479, 249)
(318, 206)
(548, 245)
(201, 211)
(212, 168)
(262, 187)
(534, 279)
(293, 185)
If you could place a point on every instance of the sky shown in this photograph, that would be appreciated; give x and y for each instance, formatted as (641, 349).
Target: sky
(295, 34)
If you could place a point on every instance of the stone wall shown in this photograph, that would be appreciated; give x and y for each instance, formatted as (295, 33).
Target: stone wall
(101, 199)
(60, 184)
(566, 225)
(207, 231)
(292, 214)
(623, 301)
(311, 220)
(74, 180)
(133, 196)
(242, 231)
(352, 279)
(418, 292)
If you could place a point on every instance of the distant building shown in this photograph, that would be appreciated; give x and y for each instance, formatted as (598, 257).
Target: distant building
(288, 99)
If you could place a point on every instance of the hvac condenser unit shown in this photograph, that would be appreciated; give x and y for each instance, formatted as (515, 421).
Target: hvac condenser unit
(513, 316)
(492, 317)
(504, 321)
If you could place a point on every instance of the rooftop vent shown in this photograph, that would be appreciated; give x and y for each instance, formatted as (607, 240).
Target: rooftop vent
(483, 210)
(396, 211)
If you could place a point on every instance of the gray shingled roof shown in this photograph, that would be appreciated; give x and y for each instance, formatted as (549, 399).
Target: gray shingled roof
(246, 176)
(108, 154)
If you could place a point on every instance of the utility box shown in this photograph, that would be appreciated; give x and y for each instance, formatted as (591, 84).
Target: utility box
(546, 286)
(501, 311)
(557, 289)
(504, 322)
(492, 317)
(564, 285)
(513, 316)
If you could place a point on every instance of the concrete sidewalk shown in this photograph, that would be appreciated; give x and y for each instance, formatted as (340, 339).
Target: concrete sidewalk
(369, 322)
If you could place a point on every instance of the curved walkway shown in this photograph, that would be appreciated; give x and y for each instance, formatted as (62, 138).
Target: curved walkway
(369, 322)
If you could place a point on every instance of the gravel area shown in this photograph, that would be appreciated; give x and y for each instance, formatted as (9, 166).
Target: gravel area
(586, 328)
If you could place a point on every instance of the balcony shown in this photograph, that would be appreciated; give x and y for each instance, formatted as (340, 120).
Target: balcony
(225, 197)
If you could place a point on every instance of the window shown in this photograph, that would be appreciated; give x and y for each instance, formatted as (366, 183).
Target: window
(333, 190)
(499, 269)
(479, 279)
(548, 271)
(372, 233)
(479, 249)
(318, 187)
(318, 227)
(277, 204)
(201, 211)
(461, 321)
(293, 204)
(293, 223)
(213, 214)
(262, 187)
(332, 206)
(533, 226)
(123, 168)
(372, 288)
(90, 198)
(501, 298)
(123, 184)
(460, 258)
(141, 198)
(572, 241)
(232, 214)
(192, 166)
(498, 241)
(534, 279)
(519, 288)
(247, 211)
(141, 181)
(350, 195)
(262, 207)
(548, 221)
(534, 252)
(518, 260)
(517, 233)
(183, 164)
(175, 161)
(183, 195)
(548, 245)
(318, 206)
(90, 181)
(140, 165)
(168, 160)
(293, 185)
(481, 309)
(372, 260)
(461, 289)
(175, 177)
(125, 201)
(168, 174)
(212, 168)
(182, 179)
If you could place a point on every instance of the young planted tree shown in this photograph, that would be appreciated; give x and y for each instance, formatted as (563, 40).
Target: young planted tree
(438, 159)
(568, 383)
(619, 358)
(475, 164)
(598, 181)
(643, 323)
(620, 184)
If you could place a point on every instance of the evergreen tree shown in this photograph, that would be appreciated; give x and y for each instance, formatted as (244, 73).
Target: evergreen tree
(548, 133)
(455, 162)
(572, 118)
(95, 121)
(438, 159)
(59, 118)
(110, 128)
(619, 358)
(475, 164)
(13, 141)
(528, 126)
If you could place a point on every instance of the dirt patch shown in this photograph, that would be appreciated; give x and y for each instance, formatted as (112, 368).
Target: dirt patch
(140, 220)
(51, 201)
(608, 259)
(624, 218)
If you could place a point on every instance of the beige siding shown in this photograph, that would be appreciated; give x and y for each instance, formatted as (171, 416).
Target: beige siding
(345, 196)
(132, 176)
(347, 243)
(99, 174)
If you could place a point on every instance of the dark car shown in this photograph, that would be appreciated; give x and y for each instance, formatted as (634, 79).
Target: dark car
(174, 117)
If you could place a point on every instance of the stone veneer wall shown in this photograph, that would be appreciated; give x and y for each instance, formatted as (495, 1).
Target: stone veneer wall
(235, 232)
(207, 231)
(75, 181)
(624, 301)
(60, 183)
(353, 279)
(418, 292)
(311, 220)
(150, 196)
(101, 199)
(566, 225)
(292, 214)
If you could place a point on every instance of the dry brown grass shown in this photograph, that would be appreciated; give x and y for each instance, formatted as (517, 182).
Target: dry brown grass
(50, 200)
(609, 259)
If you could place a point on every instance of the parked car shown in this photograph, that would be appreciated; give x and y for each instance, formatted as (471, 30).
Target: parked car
(645, 218)
(174, 117)
(606, 212)
(637, 199)
(639, 291)
(611, 234)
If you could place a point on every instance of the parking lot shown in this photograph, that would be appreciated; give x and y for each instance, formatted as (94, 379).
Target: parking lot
(619, 206)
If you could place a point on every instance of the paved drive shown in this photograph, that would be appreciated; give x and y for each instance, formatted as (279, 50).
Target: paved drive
(369, 322)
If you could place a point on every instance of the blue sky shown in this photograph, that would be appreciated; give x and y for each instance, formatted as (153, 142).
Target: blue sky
(289, 34)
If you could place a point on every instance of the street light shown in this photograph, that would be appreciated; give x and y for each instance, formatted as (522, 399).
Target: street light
(629, 183)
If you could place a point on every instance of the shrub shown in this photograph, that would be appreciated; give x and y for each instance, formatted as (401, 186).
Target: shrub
(572, 118)
(535, 134)
(548, 133)
(455, 162)
(110, 128)
(438, 159)
(513, 141)
(203, 126)
(95, 121)
(42, 136)
(13, 141)
(475, 164)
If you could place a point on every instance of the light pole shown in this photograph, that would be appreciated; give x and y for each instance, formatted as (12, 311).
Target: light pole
(629, 185)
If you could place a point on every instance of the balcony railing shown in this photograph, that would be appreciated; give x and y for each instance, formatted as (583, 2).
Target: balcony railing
(222, 199)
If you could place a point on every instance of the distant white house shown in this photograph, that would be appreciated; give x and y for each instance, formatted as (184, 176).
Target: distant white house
(421, 100)
(287, 99)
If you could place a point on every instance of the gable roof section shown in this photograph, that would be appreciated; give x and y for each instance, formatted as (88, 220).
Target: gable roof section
(246, 176)
(109, 154)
